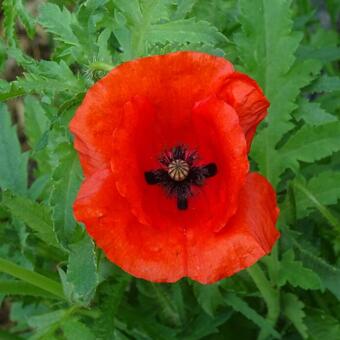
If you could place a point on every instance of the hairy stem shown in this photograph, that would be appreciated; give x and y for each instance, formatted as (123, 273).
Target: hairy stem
(99, 66)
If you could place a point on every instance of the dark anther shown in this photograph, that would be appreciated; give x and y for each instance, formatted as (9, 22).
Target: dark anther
(150, 177)
(179, 173)
(210, 169)
(182, 203)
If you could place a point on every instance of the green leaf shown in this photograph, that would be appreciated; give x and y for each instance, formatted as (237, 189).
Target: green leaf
(11, 287)
(324, 188)
(296, 274)
(27, 20)
(46, 324)
(328, 274)
(13, 169)
(184, 31)
(293, 309)
(37, 125)
(209, 297)
(4, 335)
(324, 54)
(35, 215)
(241, 306)
(310, 144)
(168, 306)
(59, 23)
(67, 177)
(183, 8)
(36, 121)
(74, 329)
(31, 277)
(82, 270)
(9, 90)
(326, 84)
(51, 77)
(10, 13)
(264, 149)
(322, 326)
(313, 113)
(266, 37)
(112, 294)
(139, 28)
(145, 326)
(204, 325)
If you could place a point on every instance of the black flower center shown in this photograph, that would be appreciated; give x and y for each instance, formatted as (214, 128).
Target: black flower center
(179, 173)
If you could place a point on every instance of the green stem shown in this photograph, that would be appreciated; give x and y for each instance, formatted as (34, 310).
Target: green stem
(31, 277)
(325, 212)
(99, 66)
(269, 294)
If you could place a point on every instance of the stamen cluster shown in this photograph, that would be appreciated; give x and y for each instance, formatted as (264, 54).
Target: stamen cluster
(179, 173)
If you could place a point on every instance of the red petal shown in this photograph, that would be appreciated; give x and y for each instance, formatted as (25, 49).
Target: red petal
(211, 128)
(248, 100)
(173, 82)
(143, 251)
(248, 236)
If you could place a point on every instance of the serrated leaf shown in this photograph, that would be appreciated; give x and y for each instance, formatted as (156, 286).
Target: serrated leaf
(296, 274)
(324, 54)
(82, 270)
(328, 274)
(27, 20)
(50, 77)
(9, 90)
(74, 329)
(58, 22)
(44, 321)
(13, 163)
(313, 113)
(293, 309)
(267, 36)
(311, 143)
(144, 326)
(183, 8)
(241, 306)
(109, 306)
(10, 13)
(42, 77)
(67, 177)
(326, 84)
(184, 31)
(325, 189)
(35, 215)
(205, 325)
(264, 149)
(139, 28)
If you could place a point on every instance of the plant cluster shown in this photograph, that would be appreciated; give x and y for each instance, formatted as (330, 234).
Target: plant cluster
(54, 282)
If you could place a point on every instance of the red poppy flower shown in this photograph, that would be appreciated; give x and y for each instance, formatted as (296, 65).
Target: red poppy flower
(163, 143)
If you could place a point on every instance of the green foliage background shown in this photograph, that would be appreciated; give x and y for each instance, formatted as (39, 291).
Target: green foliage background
(55, 284)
